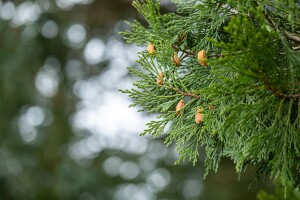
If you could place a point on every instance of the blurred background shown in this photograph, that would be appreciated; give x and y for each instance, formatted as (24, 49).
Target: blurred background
(65, 130)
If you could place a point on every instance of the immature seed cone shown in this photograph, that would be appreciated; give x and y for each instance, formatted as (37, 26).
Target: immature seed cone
(175, 59)
(151, 48)
(202, 58)
(199, 116)
(159, 79)
(179, 106)
(159, 82)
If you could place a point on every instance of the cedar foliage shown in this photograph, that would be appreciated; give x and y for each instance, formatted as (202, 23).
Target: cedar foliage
(248, 94)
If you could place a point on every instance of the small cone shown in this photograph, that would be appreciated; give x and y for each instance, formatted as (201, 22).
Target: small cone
(159, 79)
(199, 116)
(151, 48)
(202, 58)
(179, 106)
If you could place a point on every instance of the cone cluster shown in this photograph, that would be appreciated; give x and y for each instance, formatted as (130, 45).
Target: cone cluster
(202, 59)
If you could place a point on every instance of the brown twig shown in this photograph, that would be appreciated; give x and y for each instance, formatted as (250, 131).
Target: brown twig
(291, 36)
(277, 92)
(296, 48)
(188, 94)
(184, 93)
(191, 53)
(183, 50)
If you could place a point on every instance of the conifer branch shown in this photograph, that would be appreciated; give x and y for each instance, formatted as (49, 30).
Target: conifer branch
(183, 93)
(260, 133)
(188, 94)
(296, 48)
(175, 47)
(277, 92)
(290, 36)
(191, 53)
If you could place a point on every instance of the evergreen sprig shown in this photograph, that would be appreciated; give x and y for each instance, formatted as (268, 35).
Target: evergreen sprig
(248, 94)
